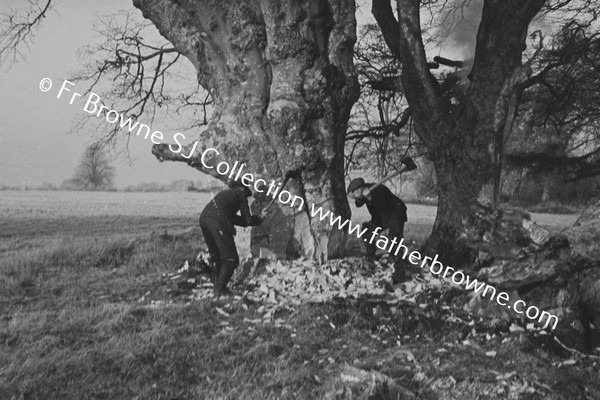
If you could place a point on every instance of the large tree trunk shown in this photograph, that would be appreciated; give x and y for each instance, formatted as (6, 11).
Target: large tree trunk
(282, 78)
(461, 138)
(460, 179)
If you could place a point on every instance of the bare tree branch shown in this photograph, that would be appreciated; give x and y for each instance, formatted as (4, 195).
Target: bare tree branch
(405, 39)
(378, 133)
(381, 131)
(138, 70)
(18, 28)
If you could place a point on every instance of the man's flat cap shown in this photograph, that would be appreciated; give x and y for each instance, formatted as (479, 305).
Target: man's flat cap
(355, 184)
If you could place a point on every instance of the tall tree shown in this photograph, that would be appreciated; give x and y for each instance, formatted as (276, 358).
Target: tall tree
(281, 83)
(464, 139)
(282, 80)
(561, 108)
(94, 170)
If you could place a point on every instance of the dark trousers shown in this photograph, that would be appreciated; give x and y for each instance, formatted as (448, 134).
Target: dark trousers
(395, 226)
(218, 236)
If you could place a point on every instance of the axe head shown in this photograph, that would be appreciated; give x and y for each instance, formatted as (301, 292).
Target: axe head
(294, 173)
(408, 164)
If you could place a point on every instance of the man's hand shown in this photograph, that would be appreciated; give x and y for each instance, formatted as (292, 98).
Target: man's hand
(366, 193)
(360, 195)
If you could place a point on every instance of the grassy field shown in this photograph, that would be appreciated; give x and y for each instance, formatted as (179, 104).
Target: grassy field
(34, 217)
(75, 323)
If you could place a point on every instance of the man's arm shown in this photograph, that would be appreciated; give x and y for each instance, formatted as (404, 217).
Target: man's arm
(246, 219)
(360, 201)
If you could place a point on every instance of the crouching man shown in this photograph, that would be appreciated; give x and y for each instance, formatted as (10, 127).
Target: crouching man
(217, 222)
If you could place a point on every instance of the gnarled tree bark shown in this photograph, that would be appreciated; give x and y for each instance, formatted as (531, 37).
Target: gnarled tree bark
(283, 82)
(460, 138)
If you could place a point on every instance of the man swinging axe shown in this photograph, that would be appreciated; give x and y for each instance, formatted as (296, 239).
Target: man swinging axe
(386, 209)
(217, 222)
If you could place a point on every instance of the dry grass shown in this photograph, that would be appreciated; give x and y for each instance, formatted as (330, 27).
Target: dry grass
(72, 325)
(72, 328)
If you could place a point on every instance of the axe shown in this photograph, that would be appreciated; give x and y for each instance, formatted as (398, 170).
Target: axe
(293, 174)
(407, 165)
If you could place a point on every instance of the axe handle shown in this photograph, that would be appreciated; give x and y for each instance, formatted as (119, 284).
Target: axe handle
(384, 180)
(408, 165)
(285, 181)
(264, 211)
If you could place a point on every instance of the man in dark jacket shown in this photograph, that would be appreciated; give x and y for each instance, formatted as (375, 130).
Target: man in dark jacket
(387, 211)
(217, 222)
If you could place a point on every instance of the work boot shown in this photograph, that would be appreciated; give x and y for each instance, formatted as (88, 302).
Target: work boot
(223, 279)
(215, 267)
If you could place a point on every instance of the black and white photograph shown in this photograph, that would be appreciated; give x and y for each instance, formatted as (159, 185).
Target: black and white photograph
(300, 200)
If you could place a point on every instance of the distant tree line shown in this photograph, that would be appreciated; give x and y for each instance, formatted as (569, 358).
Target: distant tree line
(94, 172)
(180, 185)
(174, 186)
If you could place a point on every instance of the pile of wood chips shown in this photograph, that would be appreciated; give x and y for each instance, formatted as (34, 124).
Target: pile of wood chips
(290, 283)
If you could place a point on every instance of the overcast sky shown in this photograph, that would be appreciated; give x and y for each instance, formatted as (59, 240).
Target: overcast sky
(34, 137)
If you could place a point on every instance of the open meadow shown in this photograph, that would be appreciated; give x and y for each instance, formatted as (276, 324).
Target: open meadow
(77, 270)
(33, 217)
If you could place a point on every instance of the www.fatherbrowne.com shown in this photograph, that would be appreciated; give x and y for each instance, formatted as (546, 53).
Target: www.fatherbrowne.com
(457, 277)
